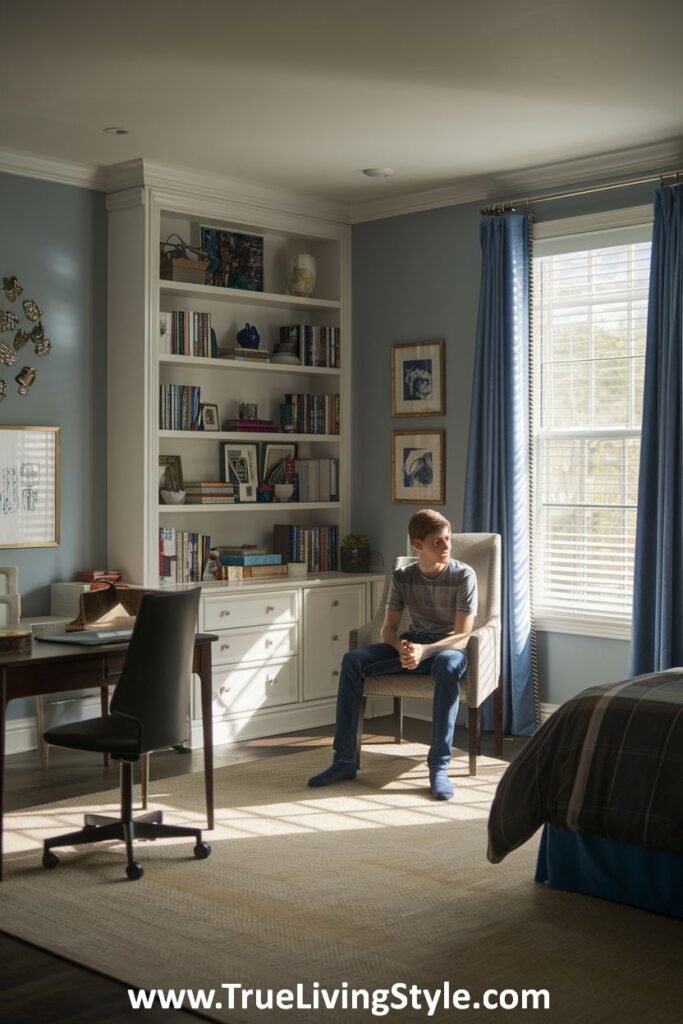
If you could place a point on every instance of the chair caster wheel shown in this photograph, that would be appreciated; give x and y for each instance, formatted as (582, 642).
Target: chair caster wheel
(50, 859)
(202, 851)
(134, 871)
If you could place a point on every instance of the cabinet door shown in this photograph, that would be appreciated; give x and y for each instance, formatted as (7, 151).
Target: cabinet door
(329, 615)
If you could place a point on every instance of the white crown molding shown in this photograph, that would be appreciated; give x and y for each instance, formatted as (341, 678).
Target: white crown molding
(46, 169)
(211, 186)
(618, 165)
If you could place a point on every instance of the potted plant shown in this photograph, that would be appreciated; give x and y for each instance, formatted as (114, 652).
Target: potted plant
(355, 553)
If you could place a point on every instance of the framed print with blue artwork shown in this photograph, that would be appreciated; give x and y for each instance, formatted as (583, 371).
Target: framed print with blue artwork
(417, 379)
(417, 467)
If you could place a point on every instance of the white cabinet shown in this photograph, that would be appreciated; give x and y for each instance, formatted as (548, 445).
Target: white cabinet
(330, 613)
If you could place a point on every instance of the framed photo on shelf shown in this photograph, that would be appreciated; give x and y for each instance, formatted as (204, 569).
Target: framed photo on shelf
(272, 457)
(417, 467)
(239, 466)
(170, 473)
(417, 379)
(235, 259)
(210, 419)
(29, 487)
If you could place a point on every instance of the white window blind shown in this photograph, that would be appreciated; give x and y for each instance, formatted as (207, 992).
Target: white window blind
(590, 316)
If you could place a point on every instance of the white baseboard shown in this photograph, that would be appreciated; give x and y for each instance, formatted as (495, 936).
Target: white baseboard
(21, 734)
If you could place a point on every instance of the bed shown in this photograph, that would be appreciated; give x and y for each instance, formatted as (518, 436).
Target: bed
(603, 776)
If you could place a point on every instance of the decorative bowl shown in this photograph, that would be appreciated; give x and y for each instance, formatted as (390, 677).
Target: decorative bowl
(173, 497)
(284, 492)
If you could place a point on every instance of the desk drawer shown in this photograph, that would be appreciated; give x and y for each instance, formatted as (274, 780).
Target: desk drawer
(247, 689)
(254, 644)
(249, 610)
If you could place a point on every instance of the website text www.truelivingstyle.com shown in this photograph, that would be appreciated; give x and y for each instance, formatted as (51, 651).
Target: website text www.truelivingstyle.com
(378, 1001)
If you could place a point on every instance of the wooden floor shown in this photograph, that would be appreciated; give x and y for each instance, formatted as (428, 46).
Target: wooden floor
(36, 986)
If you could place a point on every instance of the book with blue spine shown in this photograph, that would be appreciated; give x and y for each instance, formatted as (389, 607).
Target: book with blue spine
(269, 559)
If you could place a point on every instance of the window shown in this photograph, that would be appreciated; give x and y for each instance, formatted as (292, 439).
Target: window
(590, 318)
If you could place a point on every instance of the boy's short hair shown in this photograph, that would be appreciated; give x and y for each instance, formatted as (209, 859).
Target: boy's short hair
(424, 522)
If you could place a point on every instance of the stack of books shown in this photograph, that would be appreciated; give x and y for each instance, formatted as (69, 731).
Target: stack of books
(251, 355)
(247, 426)
(191, 334)
(263, 565)
(98, 576)
(179, 406)
(209, 492)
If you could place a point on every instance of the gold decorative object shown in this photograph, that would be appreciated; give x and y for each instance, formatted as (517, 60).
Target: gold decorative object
(33, 312)
(12, 288)
(15, 641)
(8, 320)
(7, 354)
(25, 379)
(20, 339)
(43, 347)
(3, 389)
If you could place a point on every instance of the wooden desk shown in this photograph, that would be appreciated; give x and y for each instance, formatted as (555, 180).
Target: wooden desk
(53, 668)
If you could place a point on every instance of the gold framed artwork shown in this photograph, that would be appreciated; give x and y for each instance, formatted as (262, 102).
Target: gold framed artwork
(29, 487)
(417, 379)
(418, 467)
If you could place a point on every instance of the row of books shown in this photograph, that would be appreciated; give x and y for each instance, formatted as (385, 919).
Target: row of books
(182, 555)
(179, 407)
(316, 346)
(315, 546)
(313, 479)
(191, 334)
(209, 492)
(314, 414)
(98, 576)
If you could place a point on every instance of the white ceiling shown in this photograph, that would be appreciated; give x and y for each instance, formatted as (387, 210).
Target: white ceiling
(303, 95)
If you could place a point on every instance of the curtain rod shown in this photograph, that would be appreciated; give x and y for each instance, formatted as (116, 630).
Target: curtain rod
(511, 204)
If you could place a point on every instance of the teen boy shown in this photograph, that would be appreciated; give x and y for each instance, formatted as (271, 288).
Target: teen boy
(440, 595)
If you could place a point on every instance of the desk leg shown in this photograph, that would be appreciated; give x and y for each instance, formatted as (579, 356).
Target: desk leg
(207, 727)
(3, 710)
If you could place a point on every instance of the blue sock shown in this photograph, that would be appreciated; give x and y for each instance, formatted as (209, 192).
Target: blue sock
(337, 772)
(440, 784)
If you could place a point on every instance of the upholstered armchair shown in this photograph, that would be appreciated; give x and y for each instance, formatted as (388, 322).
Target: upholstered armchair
(482, 551)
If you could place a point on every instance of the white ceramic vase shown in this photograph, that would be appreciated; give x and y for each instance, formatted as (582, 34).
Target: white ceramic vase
(302, 280)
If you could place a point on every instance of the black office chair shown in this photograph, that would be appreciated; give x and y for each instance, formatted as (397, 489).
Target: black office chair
(149, 711)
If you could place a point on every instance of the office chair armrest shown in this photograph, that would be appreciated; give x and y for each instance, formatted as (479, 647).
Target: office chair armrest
(483, 669)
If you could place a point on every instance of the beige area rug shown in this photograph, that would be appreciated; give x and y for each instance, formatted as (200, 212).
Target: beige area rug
(359, 886)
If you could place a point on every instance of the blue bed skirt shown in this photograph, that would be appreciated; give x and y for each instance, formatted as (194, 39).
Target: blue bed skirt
(585, 863)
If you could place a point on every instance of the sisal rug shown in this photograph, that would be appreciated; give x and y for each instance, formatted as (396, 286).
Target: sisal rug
(356, 887)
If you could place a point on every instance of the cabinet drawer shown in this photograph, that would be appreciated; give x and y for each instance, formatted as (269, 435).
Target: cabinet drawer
(249, 610)
(329, 615)
(248, 689)
(254, 644)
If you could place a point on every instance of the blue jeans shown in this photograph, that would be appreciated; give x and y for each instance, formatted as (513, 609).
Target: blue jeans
(446, 669)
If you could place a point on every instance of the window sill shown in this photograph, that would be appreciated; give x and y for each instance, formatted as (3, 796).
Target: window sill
(549, 621)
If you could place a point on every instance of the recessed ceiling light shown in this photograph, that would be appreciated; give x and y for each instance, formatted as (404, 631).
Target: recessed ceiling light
(378, 172)
(115, 131)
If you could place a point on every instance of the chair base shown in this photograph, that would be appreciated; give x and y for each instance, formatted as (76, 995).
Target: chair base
(100, 828)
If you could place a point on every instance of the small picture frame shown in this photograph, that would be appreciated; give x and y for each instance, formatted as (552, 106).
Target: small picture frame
(29, 487)
(417, 467)
(239, 466)
(170, 473)
(272, 456)
(417, 379)
(210, 419)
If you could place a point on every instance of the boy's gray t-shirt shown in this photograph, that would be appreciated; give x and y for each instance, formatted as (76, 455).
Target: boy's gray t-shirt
(432, 603)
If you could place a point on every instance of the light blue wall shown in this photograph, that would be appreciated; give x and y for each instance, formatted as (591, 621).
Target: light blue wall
(54, 239)
(416, 278)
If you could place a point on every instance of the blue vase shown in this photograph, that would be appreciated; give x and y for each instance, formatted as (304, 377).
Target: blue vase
(248, 337)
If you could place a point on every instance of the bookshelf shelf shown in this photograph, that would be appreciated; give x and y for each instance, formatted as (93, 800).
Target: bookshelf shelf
(210, 293)
(250, 507)
(246, 437)
(241, 366)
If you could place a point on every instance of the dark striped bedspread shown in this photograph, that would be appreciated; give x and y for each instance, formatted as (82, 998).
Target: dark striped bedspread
(609, 761)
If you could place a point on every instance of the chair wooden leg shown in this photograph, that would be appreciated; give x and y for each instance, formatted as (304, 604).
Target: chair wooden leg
(144, 779)
(359, 733)
(43, 747)
(398, 719)
(498, 721)
(104, 708)
(473, 737)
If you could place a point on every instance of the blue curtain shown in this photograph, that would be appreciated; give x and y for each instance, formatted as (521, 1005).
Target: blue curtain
(657, 639)
(497, 479)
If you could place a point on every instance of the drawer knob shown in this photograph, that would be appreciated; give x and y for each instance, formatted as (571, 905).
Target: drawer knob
(224, 689)
(224, 613)
(225, 647)
(335, 636)
(270, 607)
(268, 643)
(335, 604)
(336, 672)
(271, 682)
